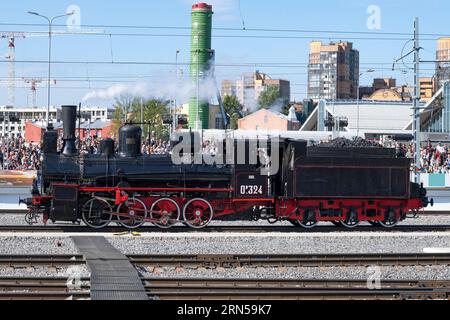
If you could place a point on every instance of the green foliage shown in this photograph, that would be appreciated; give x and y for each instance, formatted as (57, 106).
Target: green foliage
(122, 107)
(268, 97)
(154, 113)
(271, 97)
(234, 109)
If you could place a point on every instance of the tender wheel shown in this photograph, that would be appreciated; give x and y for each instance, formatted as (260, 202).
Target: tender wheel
(198, 213)
(351, 220)
(390, 221)
(309, 220)
(374, 223)
(97, 213)
(337, 223)
(165, 213)
(131, 213)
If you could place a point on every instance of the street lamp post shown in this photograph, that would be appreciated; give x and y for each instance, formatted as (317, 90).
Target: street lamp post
(357, 97)
(174, 119)
(50, 24)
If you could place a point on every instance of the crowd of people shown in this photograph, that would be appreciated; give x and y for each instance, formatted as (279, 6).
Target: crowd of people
(153, 146)
(16, 154)
(433, 158)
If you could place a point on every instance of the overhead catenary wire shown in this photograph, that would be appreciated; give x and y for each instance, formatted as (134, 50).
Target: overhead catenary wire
(250, 33)
(255, 29)
(160, 63)
(372, 37)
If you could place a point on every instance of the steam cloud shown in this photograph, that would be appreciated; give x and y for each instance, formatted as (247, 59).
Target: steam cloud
(166, 89)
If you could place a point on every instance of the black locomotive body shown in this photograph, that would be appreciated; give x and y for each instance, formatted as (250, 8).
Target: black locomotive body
(250, 180)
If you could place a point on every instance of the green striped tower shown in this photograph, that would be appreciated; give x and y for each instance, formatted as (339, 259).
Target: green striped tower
(201, 55)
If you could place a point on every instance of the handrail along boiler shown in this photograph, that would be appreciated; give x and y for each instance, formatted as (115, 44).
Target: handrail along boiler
(309, 185)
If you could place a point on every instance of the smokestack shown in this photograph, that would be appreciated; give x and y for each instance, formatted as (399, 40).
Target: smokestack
(69, 118)
(201, 56)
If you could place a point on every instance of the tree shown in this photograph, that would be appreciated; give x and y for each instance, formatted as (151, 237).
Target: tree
(268, 97)
(122, 107)
(234, 109)
(271, 98)
(155, 111)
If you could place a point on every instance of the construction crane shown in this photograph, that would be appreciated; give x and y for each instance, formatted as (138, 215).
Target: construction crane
(33, 82)
(11, 57)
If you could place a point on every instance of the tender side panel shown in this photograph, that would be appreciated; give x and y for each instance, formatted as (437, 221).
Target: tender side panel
(352, 178)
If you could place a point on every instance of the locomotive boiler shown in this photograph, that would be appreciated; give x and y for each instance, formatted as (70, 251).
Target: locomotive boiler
(282, 181)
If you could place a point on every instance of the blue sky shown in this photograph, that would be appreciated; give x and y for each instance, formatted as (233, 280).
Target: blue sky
(348, 15)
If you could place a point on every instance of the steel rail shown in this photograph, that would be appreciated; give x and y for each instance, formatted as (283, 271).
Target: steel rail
(295, 260)
(40, 260)
(44, 296)
(232, 289)
(223, 229)
(14, 288)
(239, 260)
(227, 289)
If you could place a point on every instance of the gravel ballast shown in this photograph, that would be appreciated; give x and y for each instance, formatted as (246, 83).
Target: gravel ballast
(36, 245)
(44, 272)
(323, 273)
(281, 244)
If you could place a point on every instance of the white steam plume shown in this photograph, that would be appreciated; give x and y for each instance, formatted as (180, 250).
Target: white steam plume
(168, 89)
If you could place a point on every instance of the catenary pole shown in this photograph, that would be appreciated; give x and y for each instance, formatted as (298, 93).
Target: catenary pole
(416, 122)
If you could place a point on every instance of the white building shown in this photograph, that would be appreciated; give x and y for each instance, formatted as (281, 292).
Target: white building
(371, 118)
(250, 86)
(13, 120)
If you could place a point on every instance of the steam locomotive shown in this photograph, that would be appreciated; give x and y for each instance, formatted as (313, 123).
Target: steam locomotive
(345, 186)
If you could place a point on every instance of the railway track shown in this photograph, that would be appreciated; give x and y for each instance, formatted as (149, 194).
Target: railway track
(12, 288)
(232, 289)
(228, 289)
(24, 261)
(223, 229)
(234, 261)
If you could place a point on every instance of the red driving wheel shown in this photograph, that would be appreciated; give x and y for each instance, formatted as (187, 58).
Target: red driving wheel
(198, 213)
(165, 213)
(132, 213)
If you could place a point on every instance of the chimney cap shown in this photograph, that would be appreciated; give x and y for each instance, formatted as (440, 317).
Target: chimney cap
(202, 5)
